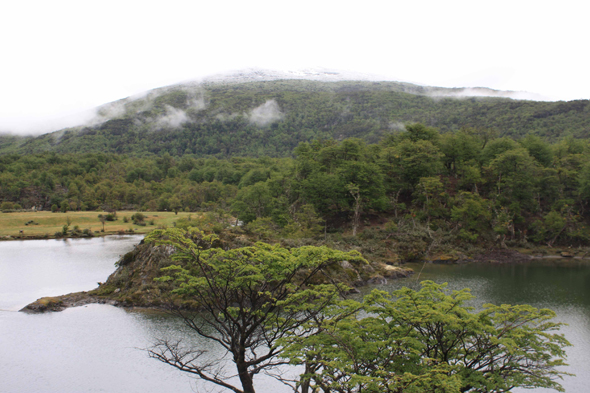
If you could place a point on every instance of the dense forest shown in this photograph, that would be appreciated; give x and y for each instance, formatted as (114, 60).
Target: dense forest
(417, 189)
(271, 118)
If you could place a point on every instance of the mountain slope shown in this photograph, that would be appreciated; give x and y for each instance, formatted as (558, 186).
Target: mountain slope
(270, 117)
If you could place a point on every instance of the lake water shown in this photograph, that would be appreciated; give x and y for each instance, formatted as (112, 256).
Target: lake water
(99, 348)
(94, 348)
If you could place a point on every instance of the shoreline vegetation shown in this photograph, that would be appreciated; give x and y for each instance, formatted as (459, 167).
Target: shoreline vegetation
(134, 283)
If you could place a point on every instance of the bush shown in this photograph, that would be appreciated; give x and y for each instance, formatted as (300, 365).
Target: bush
(6, 206)
(126, 259)
(138, 217)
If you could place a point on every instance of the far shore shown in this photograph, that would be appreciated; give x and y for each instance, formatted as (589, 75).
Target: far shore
(29, 225)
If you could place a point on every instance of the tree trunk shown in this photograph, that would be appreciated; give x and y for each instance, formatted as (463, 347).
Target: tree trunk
(503, 241)
(356, 218)
(355, 192)
(245, 378)
(306, 382)
(550, 244)
(394, 203)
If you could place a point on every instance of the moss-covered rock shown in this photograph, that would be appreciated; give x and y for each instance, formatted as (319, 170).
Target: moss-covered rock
(45, 304)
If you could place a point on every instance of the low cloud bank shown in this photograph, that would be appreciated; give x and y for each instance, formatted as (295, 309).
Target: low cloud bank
(485, 92)
(265, 114)
(173, 118)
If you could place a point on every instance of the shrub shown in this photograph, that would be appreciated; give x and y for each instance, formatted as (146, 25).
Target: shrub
(6, 206)
(138, 217)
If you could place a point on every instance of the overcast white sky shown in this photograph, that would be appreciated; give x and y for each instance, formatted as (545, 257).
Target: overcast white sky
(61, 57)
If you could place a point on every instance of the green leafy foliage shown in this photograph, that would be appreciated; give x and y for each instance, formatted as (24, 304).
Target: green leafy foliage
(250, 298)
(429, 341)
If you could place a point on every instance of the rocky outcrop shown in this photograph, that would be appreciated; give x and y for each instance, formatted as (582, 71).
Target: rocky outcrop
(133, 285)
(387, 272)
(60, 303)
(501, 256)
(394, 272)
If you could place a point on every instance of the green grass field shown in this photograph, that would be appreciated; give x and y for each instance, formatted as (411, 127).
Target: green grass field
(47, 224)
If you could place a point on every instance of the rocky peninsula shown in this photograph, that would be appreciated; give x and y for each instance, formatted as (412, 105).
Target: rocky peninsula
(133, 283)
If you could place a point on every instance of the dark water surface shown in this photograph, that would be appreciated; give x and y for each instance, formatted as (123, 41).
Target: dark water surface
(98, 348)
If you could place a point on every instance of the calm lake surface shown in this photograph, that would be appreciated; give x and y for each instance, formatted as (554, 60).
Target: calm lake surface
(98, 348)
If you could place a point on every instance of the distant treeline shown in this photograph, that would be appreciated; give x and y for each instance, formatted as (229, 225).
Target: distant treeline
(473, 185)
(271, 118)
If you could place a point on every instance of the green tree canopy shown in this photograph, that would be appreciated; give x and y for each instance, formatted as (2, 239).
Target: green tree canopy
(250, 298)
(429, 341)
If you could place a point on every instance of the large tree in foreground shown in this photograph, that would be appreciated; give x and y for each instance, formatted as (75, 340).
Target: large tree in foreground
(265, 306)
(250, 298)
(429, 341)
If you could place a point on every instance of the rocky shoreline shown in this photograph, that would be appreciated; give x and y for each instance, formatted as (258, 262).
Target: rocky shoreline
(497, 256)
(60, 303)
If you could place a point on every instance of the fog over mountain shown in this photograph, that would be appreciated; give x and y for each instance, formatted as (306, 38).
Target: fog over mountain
(258, 112)
(194, 89)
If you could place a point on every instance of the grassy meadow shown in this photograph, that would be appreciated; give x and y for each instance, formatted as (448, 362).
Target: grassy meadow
(46, 223)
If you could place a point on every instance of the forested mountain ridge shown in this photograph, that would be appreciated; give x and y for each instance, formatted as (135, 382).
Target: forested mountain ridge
(270, 118)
